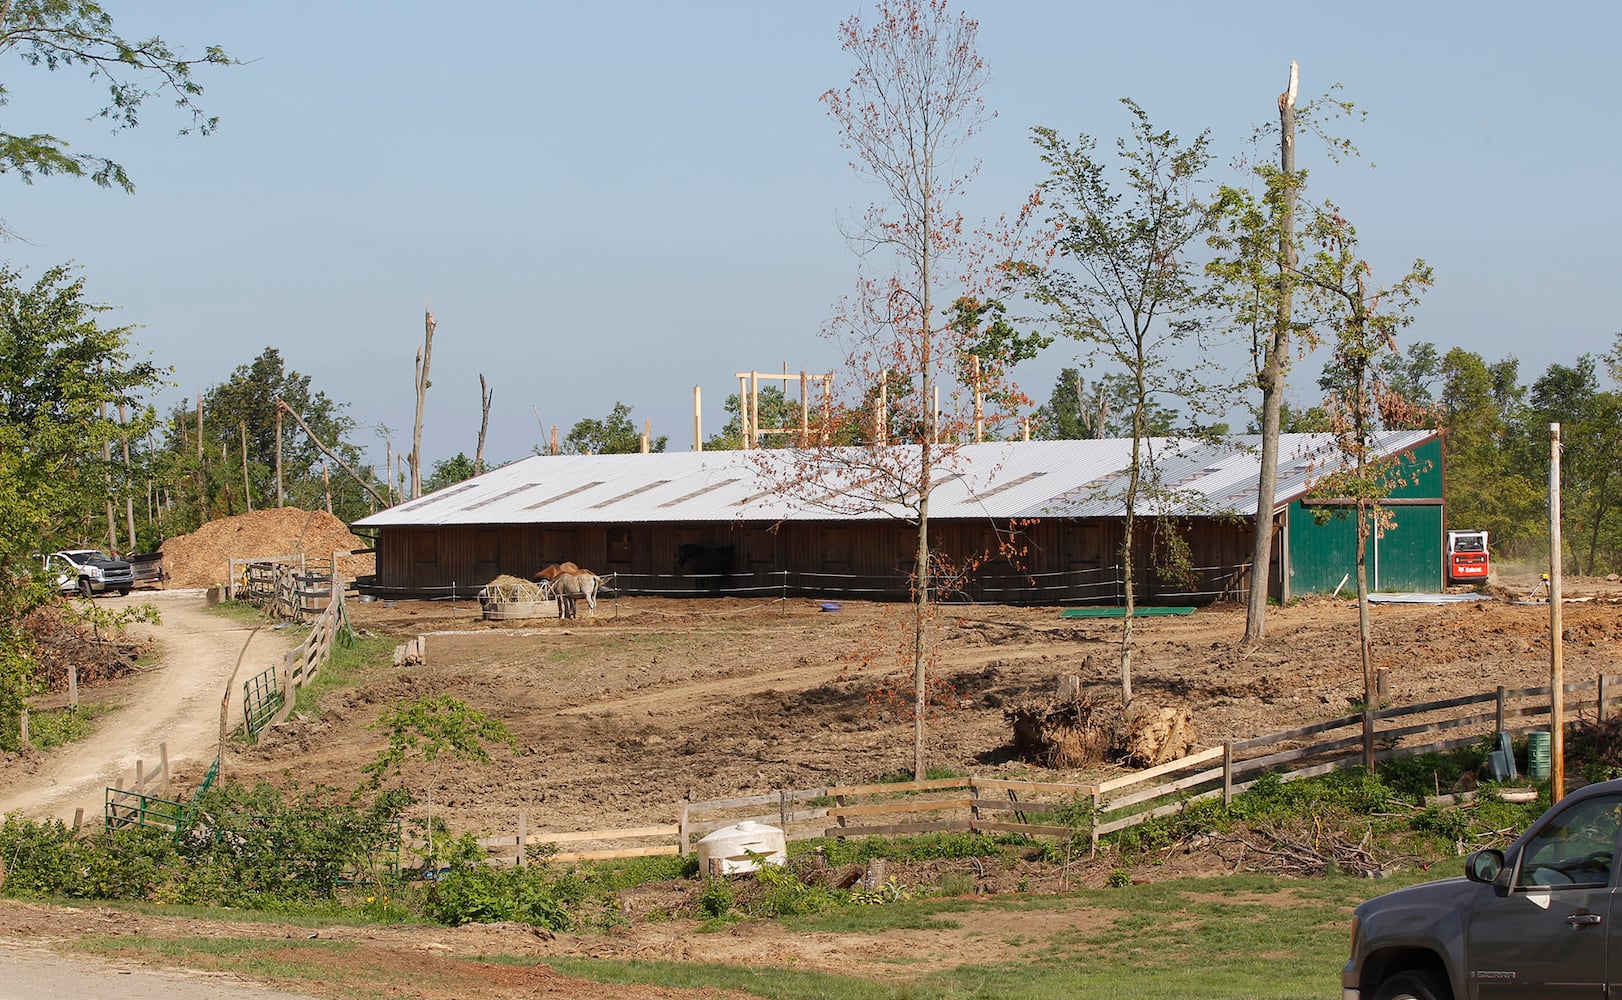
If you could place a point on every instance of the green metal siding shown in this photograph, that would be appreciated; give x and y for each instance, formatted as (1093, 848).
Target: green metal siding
(1406, 557)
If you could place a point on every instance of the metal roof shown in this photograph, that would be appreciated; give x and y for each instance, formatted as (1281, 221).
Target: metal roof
(998, 480)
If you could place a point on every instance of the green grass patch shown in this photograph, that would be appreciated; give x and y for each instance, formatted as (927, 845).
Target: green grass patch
(349, 664)
(56, 727)
(241, 611)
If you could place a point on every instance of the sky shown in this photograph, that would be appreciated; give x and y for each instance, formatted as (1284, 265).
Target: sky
(621, 201)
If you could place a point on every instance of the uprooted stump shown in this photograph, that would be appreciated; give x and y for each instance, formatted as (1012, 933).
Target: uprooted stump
(1156, 736)
(1086, 730)
(1062, 733)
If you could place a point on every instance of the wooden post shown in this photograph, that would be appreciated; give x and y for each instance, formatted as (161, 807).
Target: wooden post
(647, 436)
(281, 499)
(140, 777)
(682, 822)
(22, 723)
(163, 769)
(1382, 682)
(523, 835)
(1227, 773)
(1557, 666)
(1498, 725)
(1069, 687)
(698, 420)
(554, 439)
(782, 808)
(1092, 832)
(78, 819)
(1599, 715)
(73, 683)
(805, 410)
(754, 409)
(743, 408)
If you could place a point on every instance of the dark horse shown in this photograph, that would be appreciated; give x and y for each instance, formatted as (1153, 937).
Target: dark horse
(711, 563)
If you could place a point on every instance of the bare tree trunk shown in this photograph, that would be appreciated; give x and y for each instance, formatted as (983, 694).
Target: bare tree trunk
(280, 499)
(332, 454)
(1271, 379)
(129, 477)
(247, 491)
(107, 472)
(1365, 633)
(920, 644)
(423, 358)
(485, 396)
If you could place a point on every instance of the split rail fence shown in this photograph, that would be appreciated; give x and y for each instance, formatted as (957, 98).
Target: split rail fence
(1074, 810)
(269, 696)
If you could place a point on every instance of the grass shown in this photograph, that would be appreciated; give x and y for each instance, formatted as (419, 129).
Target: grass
(349, 662)
(241, 611)
(56, 727)
(1247, 937)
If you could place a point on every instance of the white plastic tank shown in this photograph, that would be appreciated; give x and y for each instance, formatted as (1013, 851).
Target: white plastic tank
(726, 851)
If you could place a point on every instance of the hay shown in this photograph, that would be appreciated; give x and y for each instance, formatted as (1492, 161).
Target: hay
(508, 589)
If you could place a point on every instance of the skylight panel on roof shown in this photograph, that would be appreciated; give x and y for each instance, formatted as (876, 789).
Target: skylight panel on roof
(502, 496)
(537, 505)
(1005, 487)
(628, 495)
(434, 498)
(698, 493)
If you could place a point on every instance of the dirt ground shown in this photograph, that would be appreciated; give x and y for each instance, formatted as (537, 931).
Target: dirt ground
(621, 714)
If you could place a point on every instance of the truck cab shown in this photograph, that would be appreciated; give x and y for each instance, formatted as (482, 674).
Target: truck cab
(1533, 920)
(1467, 560)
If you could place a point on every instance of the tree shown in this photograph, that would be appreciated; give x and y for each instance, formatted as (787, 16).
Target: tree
(913, 103)
(449, 471)
(1485, 488)
(1591, 438)
(58, 367)
(1104, 409)
(1257, 268)
(78, 34)
(239, 415)
(988, 347)
(775, 410)
(1364, 322)
(1123, 280)
(612, 435)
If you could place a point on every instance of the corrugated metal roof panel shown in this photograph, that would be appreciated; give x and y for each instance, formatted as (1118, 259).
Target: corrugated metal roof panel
(997, 480)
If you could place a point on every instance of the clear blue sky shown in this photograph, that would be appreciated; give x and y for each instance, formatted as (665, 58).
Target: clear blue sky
(622, 201)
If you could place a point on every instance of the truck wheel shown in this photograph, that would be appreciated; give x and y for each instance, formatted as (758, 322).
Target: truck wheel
(84, 589)
(1413, 985)
(123, 591)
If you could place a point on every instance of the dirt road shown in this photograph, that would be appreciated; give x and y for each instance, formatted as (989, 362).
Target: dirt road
(177, 703)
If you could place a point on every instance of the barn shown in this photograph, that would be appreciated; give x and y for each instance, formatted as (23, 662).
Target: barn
(1034, 522)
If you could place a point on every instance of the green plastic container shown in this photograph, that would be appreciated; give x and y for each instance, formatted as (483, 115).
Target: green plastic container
(1537, 754)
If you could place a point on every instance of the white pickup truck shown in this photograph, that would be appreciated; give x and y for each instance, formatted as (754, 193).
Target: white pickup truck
(88, 571)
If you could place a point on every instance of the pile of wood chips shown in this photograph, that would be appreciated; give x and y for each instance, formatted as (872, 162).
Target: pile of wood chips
(202, 558)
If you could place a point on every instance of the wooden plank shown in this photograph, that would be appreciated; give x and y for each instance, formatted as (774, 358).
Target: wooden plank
(1154, 772)
(633, 852)
(664, 830)
(759, 800)
(960, 826)
(1436, 706)
(901, 786)
(773, 819)
(1034, 787)
(885, 808)
(1160, 791)
(1027, 828)
(1291, 735)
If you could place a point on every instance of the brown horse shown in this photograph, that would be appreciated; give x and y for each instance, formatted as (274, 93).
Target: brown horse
(552, 571)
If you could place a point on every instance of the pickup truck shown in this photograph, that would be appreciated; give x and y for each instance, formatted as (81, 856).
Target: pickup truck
(1530, 921)
(88, 571)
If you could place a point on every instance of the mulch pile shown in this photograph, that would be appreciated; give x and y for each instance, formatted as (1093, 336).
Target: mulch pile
(201, 558)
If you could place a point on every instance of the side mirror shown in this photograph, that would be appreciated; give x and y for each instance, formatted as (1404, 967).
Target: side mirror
(1484, 865)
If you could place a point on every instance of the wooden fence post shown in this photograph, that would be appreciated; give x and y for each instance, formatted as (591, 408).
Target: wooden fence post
(682, 824)
(1499, 725)
(140, 777)
(1227, 773)
(163, 766)
(523, 835)
(78, 819)
(782, 808)
(23, 723)
(1599, 714)
(1092, 832)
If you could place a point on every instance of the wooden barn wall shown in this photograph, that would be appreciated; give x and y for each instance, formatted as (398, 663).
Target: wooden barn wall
(1057, 560)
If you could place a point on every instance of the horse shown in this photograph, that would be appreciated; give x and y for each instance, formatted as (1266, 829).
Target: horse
(570, 587)
(552, 571)
(712, 562)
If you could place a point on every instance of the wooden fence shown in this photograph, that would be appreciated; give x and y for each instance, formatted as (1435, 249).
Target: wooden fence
(1070, 810)
(292, 586)
(269, 696)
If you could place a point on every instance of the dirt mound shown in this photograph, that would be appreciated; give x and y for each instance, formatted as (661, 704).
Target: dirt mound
(200, 559)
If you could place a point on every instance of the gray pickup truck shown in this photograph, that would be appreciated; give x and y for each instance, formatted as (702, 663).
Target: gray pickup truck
(1532, 921)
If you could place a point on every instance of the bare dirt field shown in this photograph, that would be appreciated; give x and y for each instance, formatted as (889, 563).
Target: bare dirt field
(620, 715)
